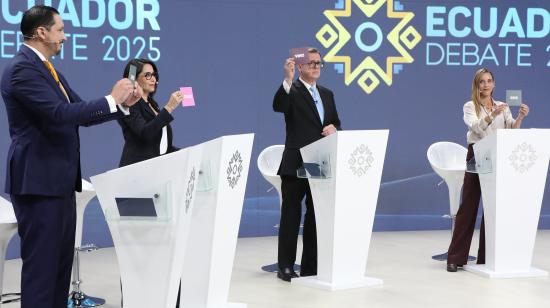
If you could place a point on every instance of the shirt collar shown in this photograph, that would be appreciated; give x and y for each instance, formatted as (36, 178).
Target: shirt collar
(38, 53)
(308, 86)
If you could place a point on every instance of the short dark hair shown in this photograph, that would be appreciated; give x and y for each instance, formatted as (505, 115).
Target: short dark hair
(139, 63)
(37, 16)
(314, 50)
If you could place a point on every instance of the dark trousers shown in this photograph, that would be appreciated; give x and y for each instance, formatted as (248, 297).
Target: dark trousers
(293, 192)
(466, 220)
(46, 226)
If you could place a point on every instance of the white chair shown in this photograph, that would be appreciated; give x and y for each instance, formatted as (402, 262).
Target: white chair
(268, 164)
(448, 160)
(8, 228)
(78, 298)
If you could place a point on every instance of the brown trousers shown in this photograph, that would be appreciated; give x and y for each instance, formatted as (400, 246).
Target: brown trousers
(466, 220)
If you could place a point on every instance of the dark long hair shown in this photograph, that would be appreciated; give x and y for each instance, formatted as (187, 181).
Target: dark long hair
(139, 63)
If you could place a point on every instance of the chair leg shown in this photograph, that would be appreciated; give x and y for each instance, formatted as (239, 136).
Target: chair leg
(7, 298)
(273, 268)
(77, 298)
(443, 256)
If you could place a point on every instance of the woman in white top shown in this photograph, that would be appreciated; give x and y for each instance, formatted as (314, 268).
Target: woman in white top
(483, 115)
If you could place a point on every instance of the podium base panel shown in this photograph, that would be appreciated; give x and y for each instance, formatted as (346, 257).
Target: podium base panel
(483, 270)
(314, 282)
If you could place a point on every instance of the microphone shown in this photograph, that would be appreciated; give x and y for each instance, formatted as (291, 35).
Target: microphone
(30, 37)
(52, 42)
(504, 116)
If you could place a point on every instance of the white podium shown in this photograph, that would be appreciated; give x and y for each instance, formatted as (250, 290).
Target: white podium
(148, 208)
(345, 193)
(8, 228)
(512, 167)
(215, 221)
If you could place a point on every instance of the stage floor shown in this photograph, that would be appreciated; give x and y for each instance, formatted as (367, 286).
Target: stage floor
(401, 259)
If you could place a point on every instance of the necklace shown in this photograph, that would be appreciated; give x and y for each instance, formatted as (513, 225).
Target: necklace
(489, 110)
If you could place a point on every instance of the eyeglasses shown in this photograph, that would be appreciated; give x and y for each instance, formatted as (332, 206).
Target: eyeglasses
(148, 75)
(314, 64)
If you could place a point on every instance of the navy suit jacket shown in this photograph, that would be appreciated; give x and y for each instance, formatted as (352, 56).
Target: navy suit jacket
(44, 155)
(303, 124)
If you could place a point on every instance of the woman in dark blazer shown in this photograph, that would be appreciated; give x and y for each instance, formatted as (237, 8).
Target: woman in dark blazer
(147, 132)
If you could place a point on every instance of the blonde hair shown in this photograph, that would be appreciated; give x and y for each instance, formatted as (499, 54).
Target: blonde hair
(476, 97)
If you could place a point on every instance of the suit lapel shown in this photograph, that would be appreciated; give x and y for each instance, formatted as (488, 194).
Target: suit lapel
(44, 70)
(65, 86)
(308, 98)
(147, 108)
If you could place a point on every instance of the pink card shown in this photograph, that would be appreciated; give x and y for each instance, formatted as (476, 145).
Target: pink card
(188, 98)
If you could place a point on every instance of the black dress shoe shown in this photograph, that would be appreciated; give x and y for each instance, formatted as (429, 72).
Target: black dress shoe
(451, 267)
(286, 274)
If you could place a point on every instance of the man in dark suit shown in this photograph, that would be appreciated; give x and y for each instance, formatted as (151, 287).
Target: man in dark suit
(43, 163)
(310, 113)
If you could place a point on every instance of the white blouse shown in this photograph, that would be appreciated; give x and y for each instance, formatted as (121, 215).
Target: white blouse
(478, 128)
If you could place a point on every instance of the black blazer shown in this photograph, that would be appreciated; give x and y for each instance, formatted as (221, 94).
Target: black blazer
(142, 132)
(303, 125)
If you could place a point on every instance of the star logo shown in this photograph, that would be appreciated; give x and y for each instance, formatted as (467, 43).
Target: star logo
(368, 73)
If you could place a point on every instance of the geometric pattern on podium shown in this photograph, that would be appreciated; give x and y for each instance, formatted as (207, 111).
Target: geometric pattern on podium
(523, 157)
(361, 160)
(190, 190)
(234, 169)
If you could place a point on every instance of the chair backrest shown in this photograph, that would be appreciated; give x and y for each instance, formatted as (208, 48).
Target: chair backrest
(87, 185)
(7, 215)
(447, 156)
(270, 159)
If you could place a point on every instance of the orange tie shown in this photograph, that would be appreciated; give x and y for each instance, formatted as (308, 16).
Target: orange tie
(54, 74)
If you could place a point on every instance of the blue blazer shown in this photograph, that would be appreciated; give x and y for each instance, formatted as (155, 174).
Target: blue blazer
(44, 155)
